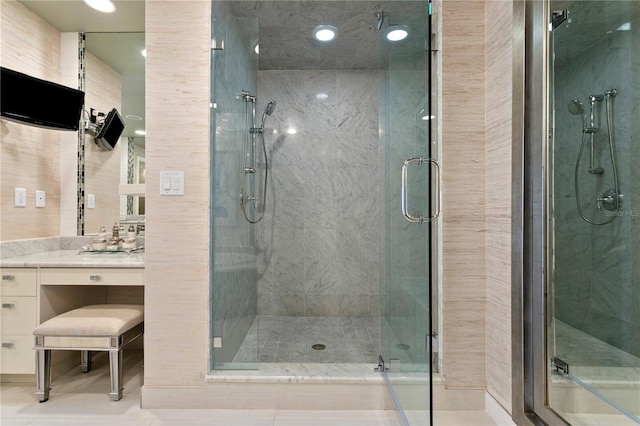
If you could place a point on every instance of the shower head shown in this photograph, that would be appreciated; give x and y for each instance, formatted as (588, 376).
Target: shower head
(268, 110)
(271, 106)
(575, 107)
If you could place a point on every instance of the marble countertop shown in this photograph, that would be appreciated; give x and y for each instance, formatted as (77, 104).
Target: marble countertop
(75, 259)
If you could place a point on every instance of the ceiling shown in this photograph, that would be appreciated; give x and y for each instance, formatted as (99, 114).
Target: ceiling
(285, 31)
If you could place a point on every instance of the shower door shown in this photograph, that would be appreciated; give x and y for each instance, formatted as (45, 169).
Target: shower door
(594, 212)
(409, 214)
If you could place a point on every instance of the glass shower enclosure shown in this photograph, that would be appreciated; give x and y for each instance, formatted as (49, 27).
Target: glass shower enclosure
(594, 211)
(348, 237)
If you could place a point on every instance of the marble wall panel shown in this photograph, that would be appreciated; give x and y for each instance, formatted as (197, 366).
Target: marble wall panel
(594, 278)
(323, 140)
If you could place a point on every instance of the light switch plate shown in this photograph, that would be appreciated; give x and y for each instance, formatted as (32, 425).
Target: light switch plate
(40, 198)
(91, 201)
(20, 197)
(171, 183)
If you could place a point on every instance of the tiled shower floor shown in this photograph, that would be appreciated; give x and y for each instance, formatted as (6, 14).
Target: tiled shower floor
(292, 339)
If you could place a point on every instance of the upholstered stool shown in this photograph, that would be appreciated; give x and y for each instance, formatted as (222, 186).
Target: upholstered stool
(90, 328)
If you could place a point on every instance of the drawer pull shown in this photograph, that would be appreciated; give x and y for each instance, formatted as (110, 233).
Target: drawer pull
(7, 345)
(7, 306)
(95, 277)
(8, 277)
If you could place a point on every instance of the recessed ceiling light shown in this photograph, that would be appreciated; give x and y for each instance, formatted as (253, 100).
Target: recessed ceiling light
(105, 6)
(133, 117)
(143, 52)
(396, 32)
(322, 96)
(325, 32)
(257, 49)
(140, 132)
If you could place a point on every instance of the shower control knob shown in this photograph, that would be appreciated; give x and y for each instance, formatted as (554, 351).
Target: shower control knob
(610, 200)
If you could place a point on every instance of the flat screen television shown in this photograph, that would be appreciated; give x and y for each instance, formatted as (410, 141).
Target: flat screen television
(37, 102)
(110, 130)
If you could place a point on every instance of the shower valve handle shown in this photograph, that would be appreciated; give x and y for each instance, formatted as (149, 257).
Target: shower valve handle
(609, 198)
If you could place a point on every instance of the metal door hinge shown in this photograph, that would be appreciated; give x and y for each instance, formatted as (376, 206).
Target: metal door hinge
(560, 365)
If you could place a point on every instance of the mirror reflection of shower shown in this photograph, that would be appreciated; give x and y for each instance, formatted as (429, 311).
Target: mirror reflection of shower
(611, 199)
(253, 135)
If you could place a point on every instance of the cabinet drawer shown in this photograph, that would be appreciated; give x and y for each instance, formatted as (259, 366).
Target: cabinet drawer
(18, 282)
(17, 356)
(91, 276)
(19, 314)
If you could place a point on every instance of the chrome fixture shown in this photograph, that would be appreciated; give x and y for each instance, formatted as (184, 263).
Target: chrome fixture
(612, 198)
(250, 157)
(404, 193)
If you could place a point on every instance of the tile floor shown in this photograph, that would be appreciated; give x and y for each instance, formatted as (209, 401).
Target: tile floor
(290, 339)
(81, 399)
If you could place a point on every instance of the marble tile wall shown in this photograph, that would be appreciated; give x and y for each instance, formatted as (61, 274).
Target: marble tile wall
(597, 285)
(318, 242)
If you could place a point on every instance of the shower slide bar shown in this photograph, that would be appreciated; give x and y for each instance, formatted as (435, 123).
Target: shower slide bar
(404, 190)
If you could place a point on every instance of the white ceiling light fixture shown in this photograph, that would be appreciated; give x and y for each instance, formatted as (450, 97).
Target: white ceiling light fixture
(143, 52)
(396, 32)
(140, 132)
(105, 6)
(325, 32)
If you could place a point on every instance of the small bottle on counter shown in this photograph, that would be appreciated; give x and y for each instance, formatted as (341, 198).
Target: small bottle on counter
(99, 243)
(131, 233)
(129, 243)
(103, 233)
(112, 244)
(115, 237)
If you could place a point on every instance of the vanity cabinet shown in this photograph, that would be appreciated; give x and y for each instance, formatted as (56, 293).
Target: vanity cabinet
(38, 286)
(19, 315)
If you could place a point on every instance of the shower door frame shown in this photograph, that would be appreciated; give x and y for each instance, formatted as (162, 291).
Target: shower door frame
(529, 232)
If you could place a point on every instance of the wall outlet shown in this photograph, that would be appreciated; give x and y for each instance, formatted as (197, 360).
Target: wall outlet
(20, 197)
(40, 198)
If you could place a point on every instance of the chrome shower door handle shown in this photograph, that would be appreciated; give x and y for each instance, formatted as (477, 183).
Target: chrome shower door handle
(404, 198)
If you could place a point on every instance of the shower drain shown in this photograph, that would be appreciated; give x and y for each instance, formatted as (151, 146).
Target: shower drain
(318, 346)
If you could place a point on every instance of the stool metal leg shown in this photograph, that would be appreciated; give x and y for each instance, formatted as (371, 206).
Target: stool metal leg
(115, 367)
(85, 361)
(43, 374)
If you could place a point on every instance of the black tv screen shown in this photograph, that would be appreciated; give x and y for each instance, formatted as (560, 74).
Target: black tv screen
(110, 130)
(39, 102)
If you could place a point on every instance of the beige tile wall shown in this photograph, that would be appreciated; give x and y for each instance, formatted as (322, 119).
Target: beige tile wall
(463, 208)
(498, 124)
(37, 159)
(177, 227)
(29, 156)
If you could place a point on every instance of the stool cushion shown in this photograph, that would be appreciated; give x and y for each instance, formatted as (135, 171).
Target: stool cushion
(93, 320)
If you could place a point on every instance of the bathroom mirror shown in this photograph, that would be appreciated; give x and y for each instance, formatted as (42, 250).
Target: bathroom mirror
(114, 78)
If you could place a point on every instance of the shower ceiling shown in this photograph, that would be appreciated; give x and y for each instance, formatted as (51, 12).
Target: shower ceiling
(585, 28)
(286, 40)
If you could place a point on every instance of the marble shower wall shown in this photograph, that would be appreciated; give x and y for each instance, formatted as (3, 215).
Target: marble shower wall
(318, 243)
(597, 278)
